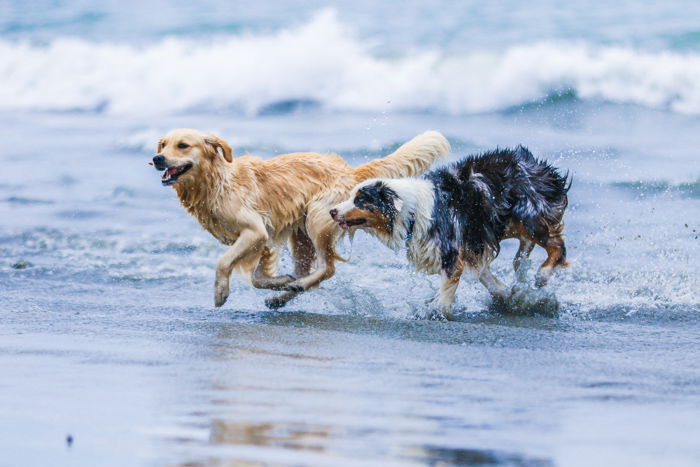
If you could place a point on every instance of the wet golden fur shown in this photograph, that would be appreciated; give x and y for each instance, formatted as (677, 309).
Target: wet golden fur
(256, 205)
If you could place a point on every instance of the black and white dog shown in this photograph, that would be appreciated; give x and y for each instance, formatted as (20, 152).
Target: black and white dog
(454, 217)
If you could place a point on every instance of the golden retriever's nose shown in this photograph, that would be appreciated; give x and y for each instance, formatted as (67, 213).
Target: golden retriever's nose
(333, 213)
(159, 162)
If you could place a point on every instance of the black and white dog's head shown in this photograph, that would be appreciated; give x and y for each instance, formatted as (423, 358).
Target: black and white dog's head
(373, 205)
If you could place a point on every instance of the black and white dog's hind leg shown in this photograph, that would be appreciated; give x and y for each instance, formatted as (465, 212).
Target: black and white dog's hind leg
(524, 250)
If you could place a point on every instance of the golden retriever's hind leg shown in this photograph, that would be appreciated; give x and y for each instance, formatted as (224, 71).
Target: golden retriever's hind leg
(324, 244)
(263, 275)
(303, 253)
(304, 256)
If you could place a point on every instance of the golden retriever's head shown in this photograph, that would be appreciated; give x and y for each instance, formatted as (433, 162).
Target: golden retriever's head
(184, 153)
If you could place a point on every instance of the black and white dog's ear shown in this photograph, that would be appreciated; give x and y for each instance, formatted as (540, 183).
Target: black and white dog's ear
(384, 197)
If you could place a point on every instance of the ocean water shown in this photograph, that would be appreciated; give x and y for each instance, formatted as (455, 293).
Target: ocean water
(107, 327)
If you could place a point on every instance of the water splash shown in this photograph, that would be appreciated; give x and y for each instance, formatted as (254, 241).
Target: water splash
(525, 299)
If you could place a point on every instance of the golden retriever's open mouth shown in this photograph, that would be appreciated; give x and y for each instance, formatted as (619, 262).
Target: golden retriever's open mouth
(173, 173)
(346, 224)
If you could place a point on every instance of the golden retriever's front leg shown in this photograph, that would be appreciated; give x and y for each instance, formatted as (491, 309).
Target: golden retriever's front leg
(250, 241)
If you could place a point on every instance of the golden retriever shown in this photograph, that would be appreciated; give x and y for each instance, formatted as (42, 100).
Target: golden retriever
(256, 205)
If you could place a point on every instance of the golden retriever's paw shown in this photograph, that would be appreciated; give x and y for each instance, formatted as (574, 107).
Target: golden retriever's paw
(220, 294)
(293, 287)
(275, 303)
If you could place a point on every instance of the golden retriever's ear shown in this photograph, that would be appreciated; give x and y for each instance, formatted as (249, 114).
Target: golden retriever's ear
(219, 143)
(161, 143)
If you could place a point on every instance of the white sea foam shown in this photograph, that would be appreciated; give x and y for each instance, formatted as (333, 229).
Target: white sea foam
(322, 61)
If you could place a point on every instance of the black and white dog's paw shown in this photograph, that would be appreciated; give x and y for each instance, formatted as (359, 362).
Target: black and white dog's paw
(435, 311)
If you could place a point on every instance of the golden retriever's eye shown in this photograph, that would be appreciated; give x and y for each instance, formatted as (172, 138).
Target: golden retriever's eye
(183, 146)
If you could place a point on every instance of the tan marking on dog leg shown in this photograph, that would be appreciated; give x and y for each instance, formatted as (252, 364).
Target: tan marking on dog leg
(555, 247)
(547, 268)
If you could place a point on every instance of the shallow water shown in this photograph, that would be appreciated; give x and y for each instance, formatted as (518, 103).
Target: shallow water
(108, 332)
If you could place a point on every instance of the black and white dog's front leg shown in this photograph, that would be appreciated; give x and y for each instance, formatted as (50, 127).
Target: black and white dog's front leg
(442, 303)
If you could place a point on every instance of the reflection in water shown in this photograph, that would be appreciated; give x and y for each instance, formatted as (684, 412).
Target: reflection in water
(308, 389)
(314, 439)
(296, 437)
(441, 456)
(288, 436)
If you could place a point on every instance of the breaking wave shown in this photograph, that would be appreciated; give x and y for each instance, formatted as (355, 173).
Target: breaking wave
(322, 63)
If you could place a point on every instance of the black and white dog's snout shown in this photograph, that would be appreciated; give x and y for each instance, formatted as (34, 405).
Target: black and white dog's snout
(333, 213)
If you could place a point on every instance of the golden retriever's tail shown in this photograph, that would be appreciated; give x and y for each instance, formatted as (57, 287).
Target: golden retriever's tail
(409, 160)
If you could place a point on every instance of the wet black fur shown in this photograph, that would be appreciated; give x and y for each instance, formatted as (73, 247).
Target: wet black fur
(378, 197)
(476, 197)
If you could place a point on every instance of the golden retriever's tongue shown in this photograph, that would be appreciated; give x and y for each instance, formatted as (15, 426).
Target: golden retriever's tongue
(169, 173)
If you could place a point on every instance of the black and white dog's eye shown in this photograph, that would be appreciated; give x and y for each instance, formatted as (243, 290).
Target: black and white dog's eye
(183, 146)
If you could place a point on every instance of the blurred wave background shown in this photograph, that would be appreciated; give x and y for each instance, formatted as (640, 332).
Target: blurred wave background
(443, 57)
